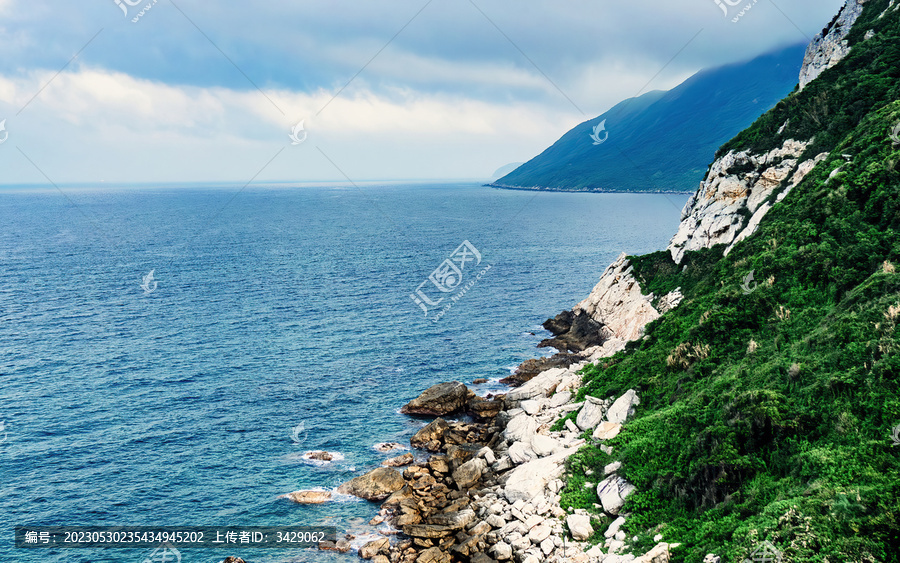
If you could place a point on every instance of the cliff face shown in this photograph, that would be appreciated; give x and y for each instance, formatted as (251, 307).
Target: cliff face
(828, 48)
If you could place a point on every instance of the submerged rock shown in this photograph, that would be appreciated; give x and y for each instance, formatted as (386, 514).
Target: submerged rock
(308, 497)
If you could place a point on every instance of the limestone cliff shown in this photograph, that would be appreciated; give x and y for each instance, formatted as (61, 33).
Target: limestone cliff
(830, 46)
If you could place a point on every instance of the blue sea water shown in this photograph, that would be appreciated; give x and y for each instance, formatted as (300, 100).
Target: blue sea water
(274, 306)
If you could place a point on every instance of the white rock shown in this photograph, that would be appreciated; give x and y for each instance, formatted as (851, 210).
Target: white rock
(571, 426)
(614, 527)
(618, 303)
(612, 467)
(521, 544)
(657, 537)
(623, 407)
(615, 546)
(606, 431)
(532, 559)
(612, 492)
(560, 399)
(580, 526)
(539, 533)
(521, 452)
(536, 387)
(712, 558)
(495, 520)
(547, 546)
(827, 50)
(520, 428)
(620, 535)
(501, 551)
(544, 445)
(595, 552)
(532, 406)
(591, 414)
(530, 479)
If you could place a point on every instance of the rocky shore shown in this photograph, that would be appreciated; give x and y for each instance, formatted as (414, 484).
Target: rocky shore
(489, 490)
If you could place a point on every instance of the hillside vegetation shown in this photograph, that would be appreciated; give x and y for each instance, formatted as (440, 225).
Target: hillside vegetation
(767, 415)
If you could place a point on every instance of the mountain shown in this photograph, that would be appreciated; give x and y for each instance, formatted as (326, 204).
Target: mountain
(768, 365)
(661, 141)
(504, 170)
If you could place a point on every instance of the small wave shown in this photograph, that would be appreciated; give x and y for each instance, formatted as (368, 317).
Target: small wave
(306, 457)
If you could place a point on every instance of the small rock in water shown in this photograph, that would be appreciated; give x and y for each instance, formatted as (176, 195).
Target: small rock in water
(479, 381)
(399, 461)
(233, 559)
(388, 447)
(308, 497)
(320, 456)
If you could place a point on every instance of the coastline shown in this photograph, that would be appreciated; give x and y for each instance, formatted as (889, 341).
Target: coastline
(490, 490)
(586, 191)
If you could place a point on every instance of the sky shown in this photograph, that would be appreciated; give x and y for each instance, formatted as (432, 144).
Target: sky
(100, 92)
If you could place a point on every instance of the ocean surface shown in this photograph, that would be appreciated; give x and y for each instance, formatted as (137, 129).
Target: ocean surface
(269, 308)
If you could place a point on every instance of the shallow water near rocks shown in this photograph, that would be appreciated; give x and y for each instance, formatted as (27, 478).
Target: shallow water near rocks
(275, 307)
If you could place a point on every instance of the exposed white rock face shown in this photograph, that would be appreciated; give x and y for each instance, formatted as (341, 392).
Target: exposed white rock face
(736, 181)
(580, 526)
(669, 301)
(827, 50)
(616, 302)
(612, 492)
(623, 408)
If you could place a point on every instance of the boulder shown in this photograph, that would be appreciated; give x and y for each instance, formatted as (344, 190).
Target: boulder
(529, 369)
(399, 461)
(623, 407)
(540, 386)
(560, 399)
(439, 400)
(432, 432)
(529, 479)
(659, 554)
(611, 468)
(454, 520)
(543, 446)
(308, 497)
(574, 332)
(469, 473)
(606, 431)
(614, 527)
(484, 408)
(580, 526)
(374, 547)
(612, 492)
(233, 559)
(429, 531)
(591, 413)
(318, 456)
(501, 551)
(380, 559)
(377, 484)
(433, 555)
(521, 452)
(521, 427)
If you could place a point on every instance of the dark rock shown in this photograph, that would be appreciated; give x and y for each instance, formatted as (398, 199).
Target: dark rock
(233, 559)
(321, 456)
(574, 332)
(439, 400)
(428, 531)
(483, 408)
(453, 520)
(479, 381)
(432, 432)
(530, 368)
(377, 484)
(439, 464)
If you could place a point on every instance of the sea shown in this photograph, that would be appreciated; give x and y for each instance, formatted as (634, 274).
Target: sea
(169, 353)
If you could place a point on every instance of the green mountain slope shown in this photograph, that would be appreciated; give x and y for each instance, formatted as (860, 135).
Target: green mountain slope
(661, 141)
(768, 415)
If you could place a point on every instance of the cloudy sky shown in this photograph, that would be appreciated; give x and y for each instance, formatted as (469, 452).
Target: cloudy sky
(408, 89)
